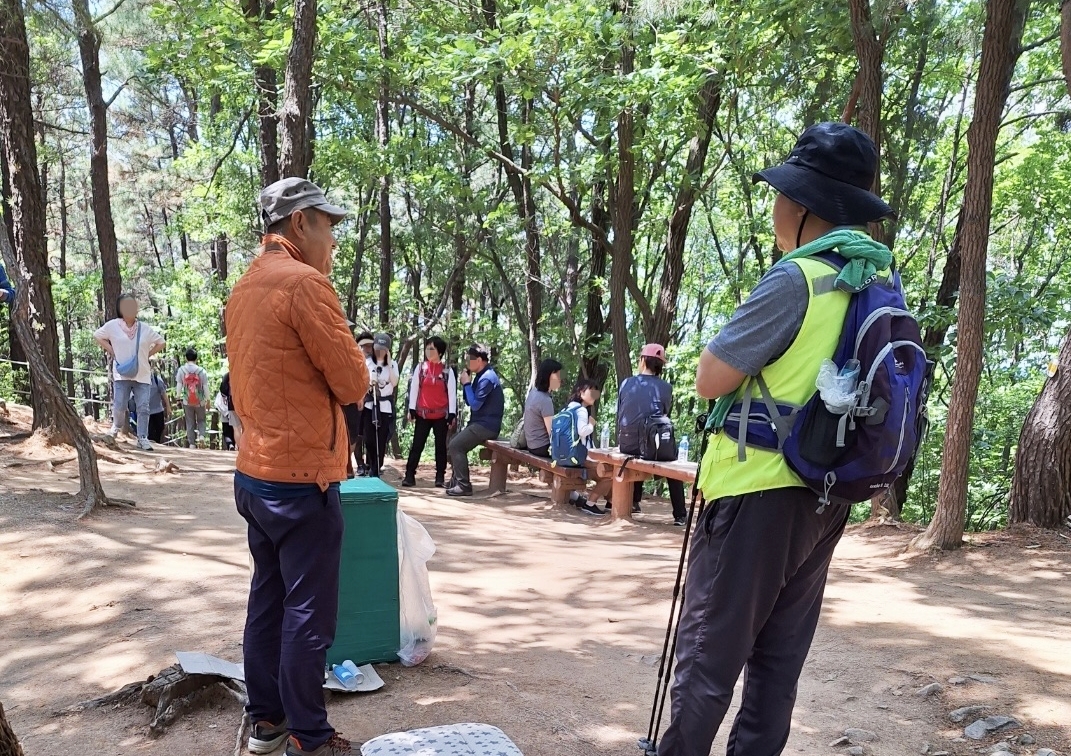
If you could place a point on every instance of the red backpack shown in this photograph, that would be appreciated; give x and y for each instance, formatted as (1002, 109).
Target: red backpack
(433, 400)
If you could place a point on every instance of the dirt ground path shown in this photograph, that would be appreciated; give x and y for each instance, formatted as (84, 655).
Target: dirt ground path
(550, 624)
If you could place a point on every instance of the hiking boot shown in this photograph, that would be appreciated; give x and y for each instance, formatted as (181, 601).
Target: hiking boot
(459, 490)
(409, 481)
(440, 481)
(144, 445)
(265, 737)
(336, 746)
(591, 509)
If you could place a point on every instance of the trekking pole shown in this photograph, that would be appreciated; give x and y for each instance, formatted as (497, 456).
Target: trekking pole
(649, 745)
(376, 421)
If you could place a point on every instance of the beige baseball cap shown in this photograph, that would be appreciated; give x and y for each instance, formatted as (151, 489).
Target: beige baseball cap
(286, 196)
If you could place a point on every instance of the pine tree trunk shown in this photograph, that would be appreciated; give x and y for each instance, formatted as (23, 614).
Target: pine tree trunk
(67, 427)
(9, 744)
(1000, 50)
(267, 84)
(297, 99)
(1041, 488)
(27, 212)
(622, 211)
(89, 50)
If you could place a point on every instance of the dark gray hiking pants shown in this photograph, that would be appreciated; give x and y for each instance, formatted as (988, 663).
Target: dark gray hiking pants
(756, 576)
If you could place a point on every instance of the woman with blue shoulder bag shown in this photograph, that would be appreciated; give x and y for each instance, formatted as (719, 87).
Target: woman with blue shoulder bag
(130, 343)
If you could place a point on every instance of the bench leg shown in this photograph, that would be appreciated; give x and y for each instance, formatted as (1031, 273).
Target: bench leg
(499, 476)
(622, 499)
(560, 488)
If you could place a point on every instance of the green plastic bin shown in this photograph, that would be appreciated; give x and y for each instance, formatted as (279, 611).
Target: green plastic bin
(368, 626)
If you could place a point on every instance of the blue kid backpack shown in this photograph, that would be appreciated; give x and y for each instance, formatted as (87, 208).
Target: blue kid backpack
(850, 457)
(566, 447)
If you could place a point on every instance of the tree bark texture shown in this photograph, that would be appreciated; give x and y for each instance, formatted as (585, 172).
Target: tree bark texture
(27, 212)
(89, 51)
(593, 365)
(266, 81)
(622, 214)
(9, 744)
(1041, 487)
(297, 92)
(1000, 50)
(386, 253)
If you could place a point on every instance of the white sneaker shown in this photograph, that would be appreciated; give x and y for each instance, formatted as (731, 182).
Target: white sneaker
(144, 445)
(112, 434)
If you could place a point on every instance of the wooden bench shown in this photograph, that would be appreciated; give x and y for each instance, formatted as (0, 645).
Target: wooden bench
(608, 465)
(562, 480)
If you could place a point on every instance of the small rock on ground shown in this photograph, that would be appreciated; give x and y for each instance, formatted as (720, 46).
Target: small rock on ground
(957, 680)
(967, 711)
(855, 735)
(930, 690)
(843, 741)
(1026, 739)
(1002, 747)
(979, 729)
(1045, 752)
(856, 751)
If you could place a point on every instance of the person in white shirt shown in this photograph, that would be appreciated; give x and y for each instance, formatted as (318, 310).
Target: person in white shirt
(130, 342)
(378, 415)
(585, 394)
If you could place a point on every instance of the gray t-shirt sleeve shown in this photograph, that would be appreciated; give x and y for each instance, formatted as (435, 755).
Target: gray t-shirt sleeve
(765, 325)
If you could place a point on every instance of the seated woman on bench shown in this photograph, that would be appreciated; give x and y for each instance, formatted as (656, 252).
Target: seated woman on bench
(539, 408)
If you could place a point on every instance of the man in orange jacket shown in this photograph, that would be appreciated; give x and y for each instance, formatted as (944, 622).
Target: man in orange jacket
(293, 365)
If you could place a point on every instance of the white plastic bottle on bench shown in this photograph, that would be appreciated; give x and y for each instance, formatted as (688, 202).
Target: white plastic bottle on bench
(604, 440)
(682, 450)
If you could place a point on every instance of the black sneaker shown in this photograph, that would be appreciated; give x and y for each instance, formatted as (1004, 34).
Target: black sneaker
(336, 746)
(636, 509)
(680, 521)
(265, 737)
(459, 490)
(409, 481)
(440, 481)
(591, 509)
(362, 471)
(577, 499)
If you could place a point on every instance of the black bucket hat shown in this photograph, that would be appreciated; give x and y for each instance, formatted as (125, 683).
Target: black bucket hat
(830, 172)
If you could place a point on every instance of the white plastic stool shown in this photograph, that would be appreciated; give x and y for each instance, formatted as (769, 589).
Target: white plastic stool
(448, 740)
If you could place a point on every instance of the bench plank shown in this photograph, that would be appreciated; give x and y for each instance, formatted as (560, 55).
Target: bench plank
(609, 461)
(562, 480)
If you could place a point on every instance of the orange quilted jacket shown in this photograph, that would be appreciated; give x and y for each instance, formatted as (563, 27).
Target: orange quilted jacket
(293, 363)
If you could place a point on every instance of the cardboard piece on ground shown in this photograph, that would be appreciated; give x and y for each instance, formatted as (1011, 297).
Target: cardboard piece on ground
(371, 682)
(197, 663)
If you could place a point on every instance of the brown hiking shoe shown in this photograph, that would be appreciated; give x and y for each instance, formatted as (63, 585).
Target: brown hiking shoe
(336, 746)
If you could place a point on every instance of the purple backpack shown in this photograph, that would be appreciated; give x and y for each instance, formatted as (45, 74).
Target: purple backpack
(851, 456)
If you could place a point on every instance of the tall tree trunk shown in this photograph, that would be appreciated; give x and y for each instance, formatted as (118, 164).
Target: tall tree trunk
(9, 744)
(386, 264)
(364, 216)
(297, 92)
(593, 366)
(27, 213)
(220, 251)
(266, 81)
(683, 205)
(622, 214)
(1041, 487)
(68, 347)
(65, 425)
(89, 50)
(1001, 44)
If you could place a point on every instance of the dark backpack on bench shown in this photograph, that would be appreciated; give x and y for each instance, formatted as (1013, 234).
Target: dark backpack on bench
(658, 443)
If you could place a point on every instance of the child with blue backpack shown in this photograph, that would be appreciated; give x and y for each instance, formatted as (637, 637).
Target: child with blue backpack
(571, 434)
(778, 491)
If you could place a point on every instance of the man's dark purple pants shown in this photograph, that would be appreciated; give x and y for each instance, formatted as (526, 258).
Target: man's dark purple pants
(756, 576)
(296, 545)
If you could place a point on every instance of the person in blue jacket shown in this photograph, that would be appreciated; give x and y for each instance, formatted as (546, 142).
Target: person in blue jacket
(7, 291)
(483, 394)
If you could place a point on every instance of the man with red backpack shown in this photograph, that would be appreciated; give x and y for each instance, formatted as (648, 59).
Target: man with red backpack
(191, 382)
(432, 408)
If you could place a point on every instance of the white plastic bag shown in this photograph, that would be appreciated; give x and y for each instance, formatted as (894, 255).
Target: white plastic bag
(838, 387)
(419, 620)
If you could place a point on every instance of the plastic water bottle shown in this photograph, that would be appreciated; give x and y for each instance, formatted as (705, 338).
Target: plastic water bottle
(682, 450)
(348, 674)
(604, 440)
